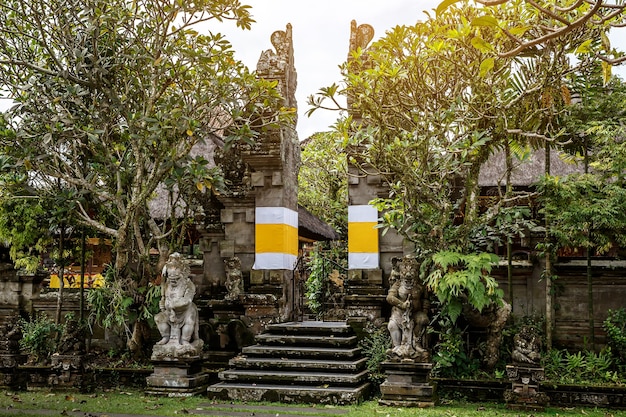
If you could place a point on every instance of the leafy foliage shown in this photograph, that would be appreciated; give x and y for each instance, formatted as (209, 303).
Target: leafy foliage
(323, 180)
(40, 336)
(112, 307)
(322, 262)
(451, 358)
(110, 100)
(580, 367)
(584, 211)
(459, 277)
(615, 327)
(374, 346)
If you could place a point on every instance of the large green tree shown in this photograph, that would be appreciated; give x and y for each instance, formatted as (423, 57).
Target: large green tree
(110, 98)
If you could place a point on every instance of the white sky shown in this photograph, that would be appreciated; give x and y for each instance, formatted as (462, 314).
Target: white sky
(321, 32)
(321, 36)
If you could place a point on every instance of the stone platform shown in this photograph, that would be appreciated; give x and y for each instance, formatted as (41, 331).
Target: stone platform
(408, 385)
(181, 377)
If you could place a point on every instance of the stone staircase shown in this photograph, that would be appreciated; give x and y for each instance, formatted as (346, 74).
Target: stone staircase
(297, 362)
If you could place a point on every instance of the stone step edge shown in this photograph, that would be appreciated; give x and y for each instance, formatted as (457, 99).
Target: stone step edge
(290, 408)
(280, 377)
(297, 363)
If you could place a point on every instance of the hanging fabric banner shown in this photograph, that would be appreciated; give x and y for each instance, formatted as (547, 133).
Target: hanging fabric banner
(276, 238)
(362, 237)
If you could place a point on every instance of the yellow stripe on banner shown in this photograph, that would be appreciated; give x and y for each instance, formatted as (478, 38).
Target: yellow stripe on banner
(363, 237)
(276, 238)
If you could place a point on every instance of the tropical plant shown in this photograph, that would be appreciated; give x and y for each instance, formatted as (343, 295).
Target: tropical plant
(110, 99)
(325, 260)
(40, 335)
(458, 278)
(323, 180)
(451, 358)
(615, 328)
(375, 344)
(528, 26)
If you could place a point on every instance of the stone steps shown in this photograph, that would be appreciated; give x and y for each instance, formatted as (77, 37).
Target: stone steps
(300, 394)
(309, 340)
(302, 352)
(304, 378)
(297, 362)
(291, 364)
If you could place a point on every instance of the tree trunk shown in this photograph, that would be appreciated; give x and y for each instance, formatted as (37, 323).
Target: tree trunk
(57, 317)
(138, 342)
(590, 301)
(548, 270)
(509, 249)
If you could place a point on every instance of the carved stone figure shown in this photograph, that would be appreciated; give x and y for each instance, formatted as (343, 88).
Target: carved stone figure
(234, 279)
(526, 347)
(72, 340)
(409, 314)
(11, 334)
(178, 319)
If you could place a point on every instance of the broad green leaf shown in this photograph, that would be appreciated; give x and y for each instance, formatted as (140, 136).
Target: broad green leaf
(606, 72)
(584, 48)
(486, 66)
(519, 30)
(481, 44)
(444, 5)
(489, 21)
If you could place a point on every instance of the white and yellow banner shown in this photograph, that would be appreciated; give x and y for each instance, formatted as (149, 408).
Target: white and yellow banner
(276, 238)
(362, 237)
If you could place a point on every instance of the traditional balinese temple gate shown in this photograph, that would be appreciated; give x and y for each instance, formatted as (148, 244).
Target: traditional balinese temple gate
(294, 360)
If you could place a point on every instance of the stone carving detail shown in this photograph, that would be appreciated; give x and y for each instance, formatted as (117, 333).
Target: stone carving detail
(408, 297)
(360, 36)
(526, 347)
(280, 66)
(11, 334)
(73, 339)
(234, 279)
(178, 320)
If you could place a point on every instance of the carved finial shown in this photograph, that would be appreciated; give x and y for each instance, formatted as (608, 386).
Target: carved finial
(360, 36)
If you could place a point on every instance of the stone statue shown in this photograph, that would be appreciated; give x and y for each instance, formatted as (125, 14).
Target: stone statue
(178, 319)
(234, 279)
(72, 340)
(526, 347)
(10, 336)
(409, 314)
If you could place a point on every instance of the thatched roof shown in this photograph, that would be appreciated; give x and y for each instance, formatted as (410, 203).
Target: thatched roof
(312, 227)
(525, 173)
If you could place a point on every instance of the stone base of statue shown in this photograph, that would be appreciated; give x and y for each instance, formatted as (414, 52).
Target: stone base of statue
(177, 370)
(10, 378)
(67, 372)
(408, 384)
(524, 393)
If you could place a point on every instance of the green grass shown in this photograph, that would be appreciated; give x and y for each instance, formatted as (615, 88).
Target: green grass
(135, 402)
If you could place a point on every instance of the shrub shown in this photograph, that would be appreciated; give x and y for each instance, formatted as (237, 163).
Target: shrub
(40, 336)
(615, 327)
(374, 346)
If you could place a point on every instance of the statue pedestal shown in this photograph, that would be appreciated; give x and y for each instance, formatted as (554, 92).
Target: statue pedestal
(407, 384)
(10, 378)
(181, 377)
(67, 372)
(524, 393)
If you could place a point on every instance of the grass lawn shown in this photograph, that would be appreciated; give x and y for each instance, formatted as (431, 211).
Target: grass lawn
(135, 402)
